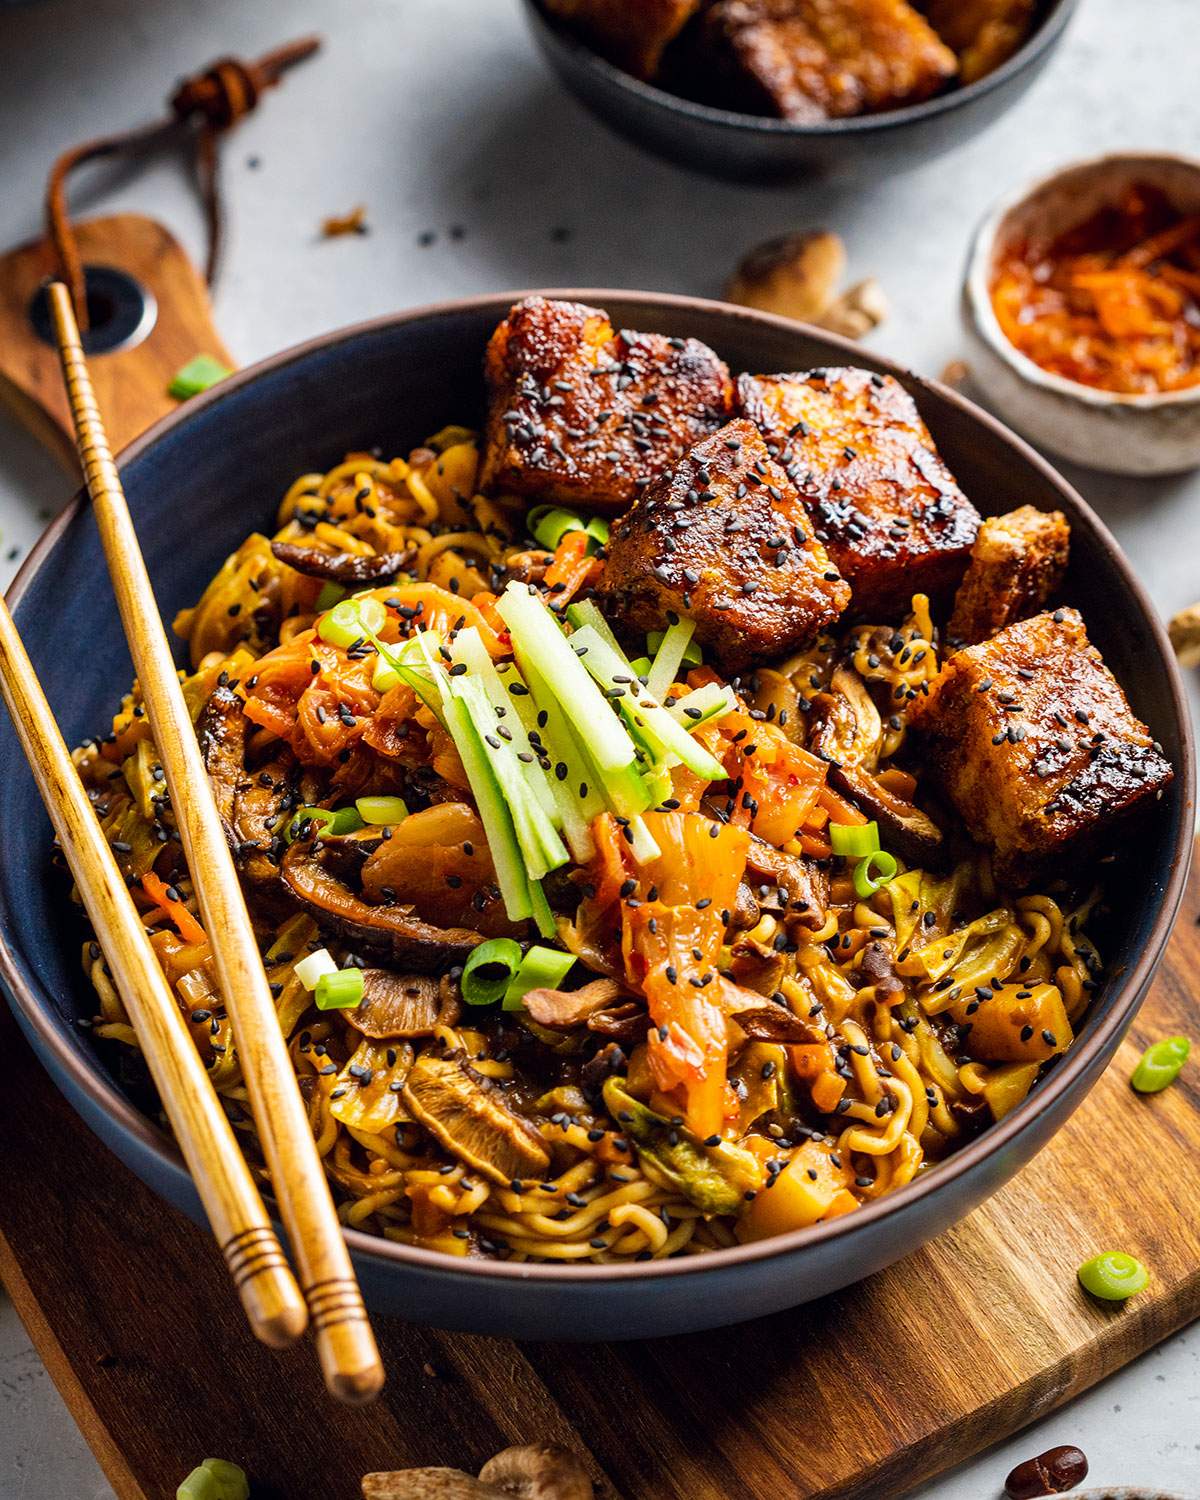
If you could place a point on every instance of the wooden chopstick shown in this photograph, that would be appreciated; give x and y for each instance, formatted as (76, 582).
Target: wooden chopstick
(345, 1343)
(235, 1210)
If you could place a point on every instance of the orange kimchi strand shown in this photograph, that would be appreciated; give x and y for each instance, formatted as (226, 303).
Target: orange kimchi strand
(164, 897)
(570, 569)
(1113, 303)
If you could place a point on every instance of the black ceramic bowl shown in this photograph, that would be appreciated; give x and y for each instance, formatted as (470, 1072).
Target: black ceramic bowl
(753, 148)
(207, 475)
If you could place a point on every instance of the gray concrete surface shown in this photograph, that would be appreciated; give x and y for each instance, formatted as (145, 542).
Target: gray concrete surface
(438, 116)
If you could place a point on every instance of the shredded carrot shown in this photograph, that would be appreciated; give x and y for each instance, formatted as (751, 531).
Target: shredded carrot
(570, 569)
(1112, 303)
(839, 810)
(159, 892)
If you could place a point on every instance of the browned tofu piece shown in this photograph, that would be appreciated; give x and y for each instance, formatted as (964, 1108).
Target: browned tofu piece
(1030, 737)
(808, 60)
(1017, 562)
(884, 504)
(724, 540)
(630, 33)
(582, 414)
(984, 33)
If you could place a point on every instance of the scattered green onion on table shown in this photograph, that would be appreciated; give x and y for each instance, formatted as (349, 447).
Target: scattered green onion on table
(1113, 1276)
(1160, 1064)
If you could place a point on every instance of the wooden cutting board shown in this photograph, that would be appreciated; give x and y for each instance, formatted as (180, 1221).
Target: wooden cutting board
(856, 1397)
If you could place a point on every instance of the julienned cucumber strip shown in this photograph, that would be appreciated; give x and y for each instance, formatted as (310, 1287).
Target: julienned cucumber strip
(571, 816)
(712, 701)
(638, 705)
(493, 813)
(538, 638)
(542, 915)
(469, 650)
(586, 612)
(669, 657)
(540, 844)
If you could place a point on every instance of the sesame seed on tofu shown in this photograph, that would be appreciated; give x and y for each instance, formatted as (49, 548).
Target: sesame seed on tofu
(581, 414)
(718, 539)
(1050, 758)
(887, 509)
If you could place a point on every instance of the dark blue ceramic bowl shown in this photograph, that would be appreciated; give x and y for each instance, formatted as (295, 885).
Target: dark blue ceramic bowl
(753, 148)
(204, 477)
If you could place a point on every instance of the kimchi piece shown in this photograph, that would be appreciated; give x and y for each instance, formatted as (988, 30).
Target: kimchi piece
(1113, 303)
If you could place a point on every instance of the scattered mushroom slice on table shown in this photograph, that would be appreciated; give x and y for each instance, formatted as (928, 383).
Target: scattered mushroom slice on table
(536, 1471)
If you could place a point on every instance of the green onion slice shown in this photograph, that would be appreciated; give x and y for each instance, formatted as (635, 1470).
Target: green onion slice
(311, 970)
(489, 970)
(197, 375)
(342, 990)
(548, 524)
(329, 822)
(541, 968)
(1160, 1064)
(1113, 1276)
(874, 871)
(854, 839)
(382, 812)
(598, 529)
(351, 620)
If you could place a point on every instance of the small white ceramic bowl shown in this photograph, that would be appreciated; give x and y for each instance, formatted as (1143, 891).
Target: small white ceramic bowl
(1151, 434)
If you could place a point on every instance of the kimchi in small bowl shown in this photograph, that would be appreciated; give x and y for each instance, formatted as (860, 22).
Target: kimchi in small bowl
(1082, 307)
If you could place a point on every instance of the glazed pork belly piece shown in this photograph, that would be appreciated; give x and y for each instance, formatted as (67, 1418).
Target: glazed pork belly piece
(723, 539)
(581, 414)
(630, 33)
(1031, 738)
(1017, 562)
(887, 509)
(809, 60)
(984, 33)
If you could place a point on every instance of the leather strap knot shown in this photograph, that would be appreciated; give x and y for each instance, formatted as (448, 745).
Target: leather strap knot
(208, 103)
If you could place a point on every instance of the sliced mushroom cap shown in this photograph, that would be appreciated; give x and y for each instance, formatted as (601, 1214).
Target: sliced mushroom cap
(428, 1484)
(540, 1471)
(876, 968)
(341, 567)
(394, 933)
(251, 806)
(562, 1009)
(804, 884)
(765, 1020)
(846, 729)
(469, 1117)
(397, 1005)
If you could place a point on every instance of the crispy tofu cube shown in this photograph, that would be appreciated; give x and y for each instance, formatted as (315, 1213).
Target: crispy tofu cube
(891, 517)
(984, 33)
(724, 540)
(581, 414)
(808, 60)
(630, 33)
(1031, 738)
(1017, 561)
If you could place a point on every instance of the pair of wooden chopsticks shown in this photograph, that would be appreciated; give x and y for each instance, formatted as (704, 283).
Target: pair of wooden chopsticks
(345, 1344)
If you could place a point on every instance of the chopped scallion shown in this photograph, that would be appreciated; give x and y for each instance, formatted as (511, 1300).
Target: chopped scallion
(341, 990)
(311, 970)
(325, 822)
(200, 372)
(382, 812)
(331, 594)
(876, 870)
(351, 620)
(489, 970)
(854, 839)
(541, 968)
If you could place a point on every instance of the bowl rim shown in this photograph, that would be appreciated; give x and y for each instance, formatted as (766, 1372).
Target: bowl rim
(977, 291)
(94, 1083)
(1053, 23)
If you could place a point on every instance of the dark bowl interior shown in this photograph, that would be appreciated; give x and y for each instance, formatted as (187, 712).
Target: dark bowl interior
(204, 478)
(752, 148)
